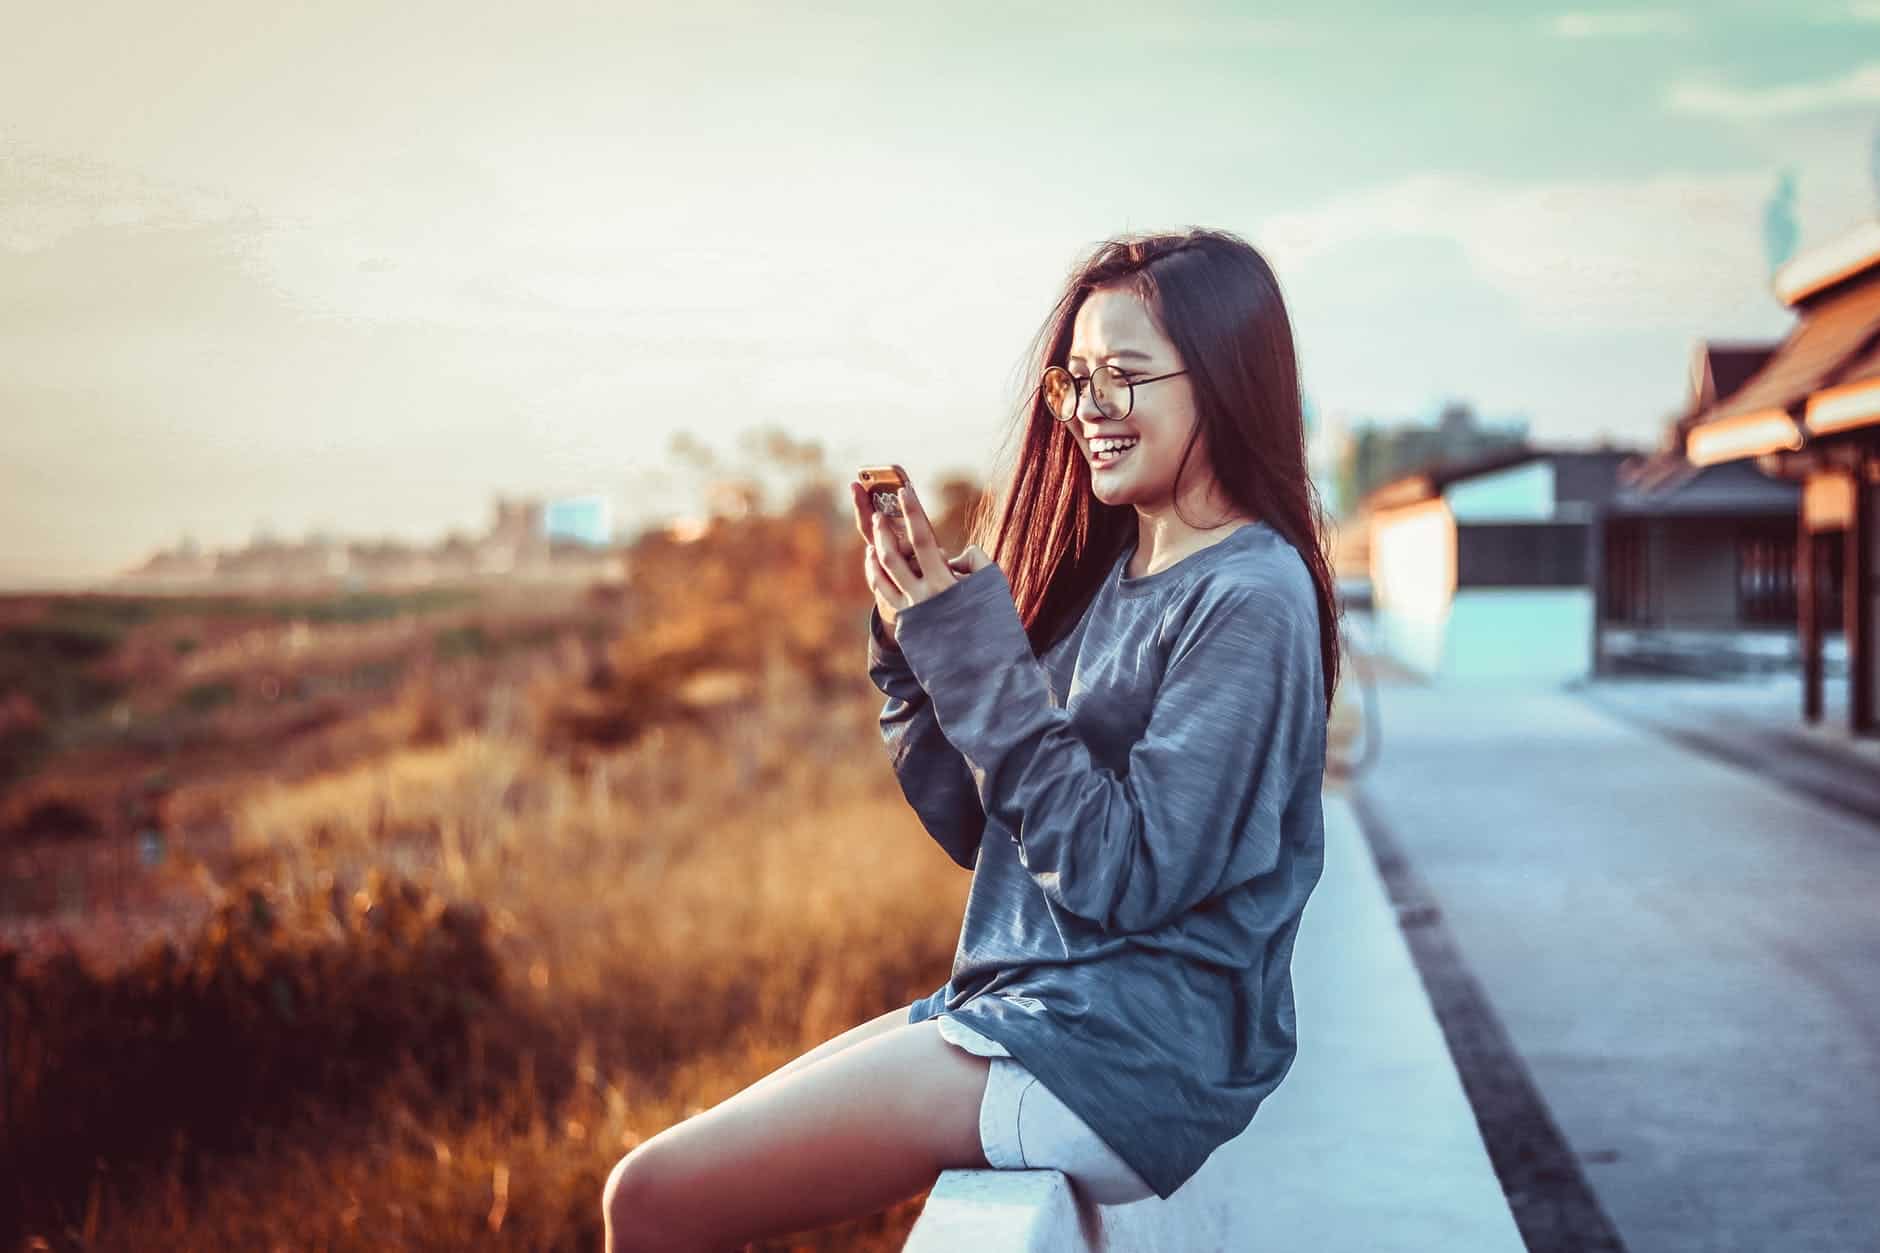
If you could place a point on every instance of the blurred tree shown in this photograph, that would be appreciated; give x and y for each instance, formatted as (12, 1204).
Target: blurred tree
(690, 451)
(1379, 452)
(952, 510)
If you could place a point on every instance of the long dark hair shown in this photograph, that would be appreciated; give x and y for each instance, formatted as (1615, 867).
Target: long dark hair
(1218, 302)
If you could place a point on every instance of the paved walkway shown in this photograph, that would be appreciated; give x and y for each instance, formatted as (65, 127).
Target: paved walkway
(1757, 724)
(1684, 954)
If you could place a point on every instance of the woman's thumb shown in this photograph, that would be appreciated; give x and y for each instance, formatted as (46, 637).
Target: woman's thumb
(973, 558)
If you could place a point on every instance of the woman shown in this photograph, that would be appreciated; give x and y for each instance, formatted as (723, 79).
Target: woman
(1120, 729)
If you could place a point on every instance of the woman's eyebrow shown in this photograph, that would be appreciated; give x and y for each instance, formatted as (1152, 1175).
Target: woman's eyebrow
(1127, 352)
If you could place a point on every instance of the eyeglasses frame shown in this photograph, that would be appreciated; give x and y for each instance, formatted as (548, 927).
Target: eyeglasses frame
(1078, 385)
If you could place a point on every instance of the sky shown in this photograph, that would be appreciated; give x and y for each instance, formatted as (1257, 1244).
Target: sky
(356, 269)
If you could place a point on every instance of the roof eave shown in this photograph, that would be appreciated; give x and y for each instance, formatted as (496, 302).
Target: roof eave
(1834, 262)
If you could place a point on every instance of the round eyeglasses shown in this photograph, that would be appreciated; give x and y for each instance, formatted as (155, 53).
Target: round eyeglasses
(1113, 391)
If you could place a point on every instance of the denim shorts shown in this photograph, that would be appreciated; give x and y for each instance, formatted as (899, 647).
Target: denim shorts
(1022, 1126)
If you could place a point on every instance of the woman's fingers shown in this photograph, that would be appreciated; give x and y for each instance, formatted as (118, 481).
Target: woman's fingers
(920, 531)
(900, 551)
(872, 524)
(864, 511)
(888, 554)
(882, 583)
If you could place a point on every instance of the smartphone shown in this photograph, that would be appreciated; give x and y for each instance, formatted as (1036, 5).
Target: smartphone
(882, 482)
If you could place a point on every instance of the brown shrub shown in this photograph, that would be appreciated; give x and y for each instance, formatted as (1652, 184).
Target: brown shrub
(259, 1017)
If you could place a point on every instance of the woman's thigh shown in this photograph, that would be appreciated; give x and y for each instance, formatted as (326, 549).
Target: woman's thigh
(849, 1134)
(854, 1035)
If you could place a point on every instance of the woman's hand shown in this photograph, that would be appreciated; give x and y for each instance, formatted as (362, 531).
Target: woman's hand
(899, 559)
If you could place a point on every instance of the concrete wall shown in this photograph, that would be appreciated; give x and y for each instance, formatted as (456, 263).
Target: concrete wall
(1429, 624)
(1492, 632)
(1368, 1144)
(1413, 559)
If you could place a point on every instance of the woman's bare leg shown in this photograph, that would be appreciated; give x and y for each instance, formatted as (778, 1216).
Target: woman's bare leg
(845, 1135)
(835, 1044)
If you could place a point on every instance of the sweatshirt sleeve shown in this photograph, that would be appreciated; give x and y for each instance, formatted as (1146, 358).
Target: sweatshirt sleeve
(932, 773)
(1199, 807)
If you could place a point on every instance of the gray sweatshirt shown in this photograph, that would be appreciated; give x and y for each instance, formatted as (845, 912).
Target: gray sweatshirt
(1140, 809)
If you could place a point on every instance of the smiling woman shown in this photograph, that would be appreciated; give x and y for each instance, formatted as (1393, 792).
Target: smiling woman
(1119, 728)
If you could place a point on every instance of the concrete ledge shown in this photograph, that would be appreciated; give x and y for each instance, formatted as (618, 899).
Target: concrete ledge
(1024, 1211)
(1368, 1144)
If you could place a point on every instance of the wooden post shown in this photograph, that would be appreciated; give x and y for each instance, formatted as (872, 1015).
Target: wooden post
(1596, 576)
(1808, 617)
(1859, 608)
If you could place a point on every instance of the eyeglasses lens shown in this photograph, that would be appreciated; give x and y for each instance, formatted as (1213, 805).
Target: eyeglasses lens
(1112, 392)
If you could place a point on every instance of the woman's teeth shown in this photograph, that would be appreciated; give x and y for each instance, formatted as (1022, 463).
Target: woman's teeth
(1108, 454)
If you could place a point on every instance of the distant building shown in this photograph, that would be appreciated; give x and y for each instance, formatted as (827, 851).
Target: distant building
(182, 566)
(1373, 453)
(517, 541)
(584, 519)
(1810, 413)
(1522, 563)
(1695, 571)
(518, 545)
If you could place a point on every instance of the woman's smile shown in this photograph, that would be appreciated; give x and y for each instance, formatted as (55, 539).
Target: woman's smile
(1108, 450)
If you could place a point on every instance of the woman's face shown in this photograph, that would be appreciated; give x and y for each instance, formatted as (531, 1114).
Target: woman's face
(1113, 327)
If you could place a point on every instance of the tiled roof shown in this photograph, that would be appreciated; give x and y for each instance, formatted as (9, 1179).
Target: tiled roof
(1831, 336)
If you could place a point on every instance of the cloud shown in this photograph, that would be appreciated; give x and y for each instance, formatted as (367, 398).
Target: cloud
(47, 197)
(94, 251)
(1675, 250)
(1856, 88)
(185, 363)
(1218, 31)
(1618, 25)
(106, 283)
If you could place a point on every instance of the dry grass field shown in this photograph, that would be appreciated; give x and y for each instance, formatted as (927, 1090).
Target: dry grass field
(391, 922)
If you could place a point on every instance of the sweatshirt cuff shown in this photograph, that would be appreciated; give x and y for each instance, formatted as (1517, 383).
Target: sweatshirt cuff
(887, 667)
(877, 631)
(972, 627)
